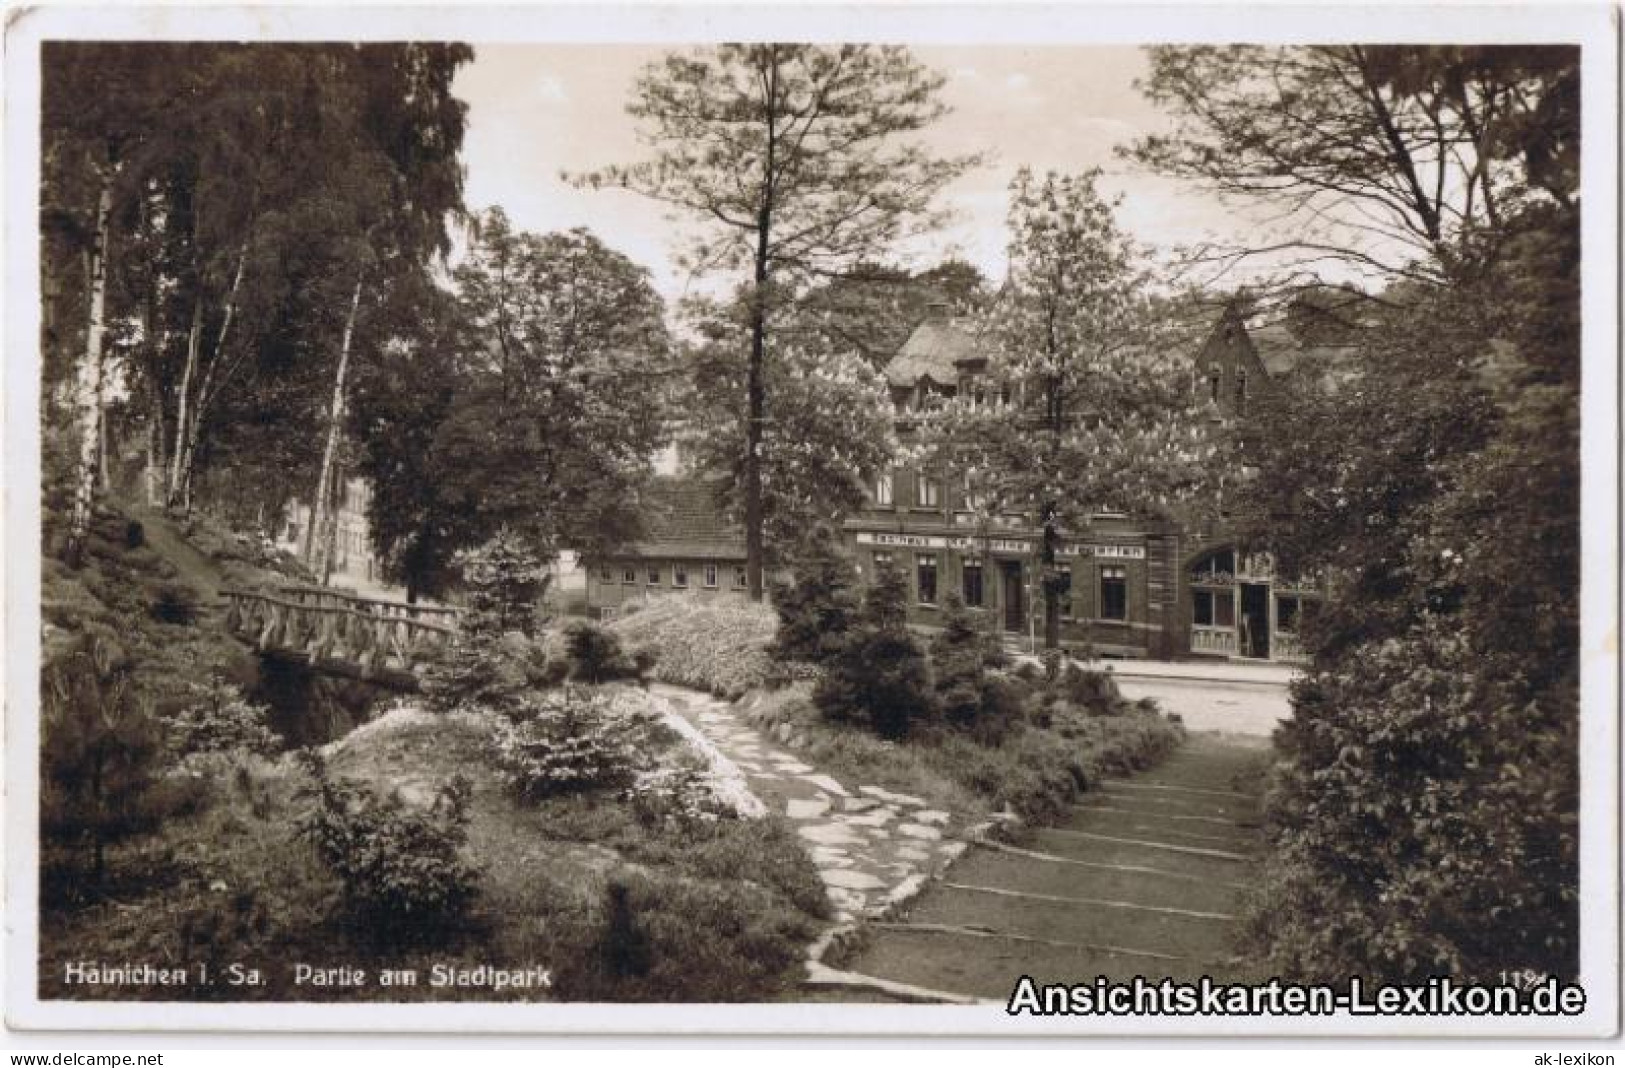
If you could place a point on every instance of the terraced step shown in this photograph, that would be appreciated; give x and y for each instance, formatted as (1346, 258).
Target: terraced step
(1145, 876)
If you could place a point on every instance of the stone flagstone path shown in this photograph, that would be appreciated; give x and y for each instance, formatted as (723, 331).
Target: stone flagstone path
(872, 847)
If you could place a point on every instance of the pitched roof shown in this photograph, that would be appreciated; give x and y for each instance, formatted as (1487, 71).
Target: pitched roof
(682, 518)
(932, 351)
(1282, 353)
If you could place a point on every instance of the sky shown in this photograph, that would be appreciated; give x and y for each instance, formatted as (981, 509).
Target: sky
(538, 110)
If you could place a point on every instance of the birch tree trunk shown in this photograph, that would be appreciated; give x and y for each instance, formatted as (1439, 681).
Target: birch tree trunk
(319, 508)
(194, 338)
(192, 408)
(89, 387)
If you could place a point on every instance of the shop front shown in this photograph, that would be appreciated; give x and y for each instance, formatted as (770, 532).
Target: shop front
(1107, 600)
(1241, 608)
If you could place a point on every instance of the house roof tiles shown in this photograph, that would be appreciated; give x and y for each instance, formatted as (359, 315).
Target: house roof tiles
(683, 520)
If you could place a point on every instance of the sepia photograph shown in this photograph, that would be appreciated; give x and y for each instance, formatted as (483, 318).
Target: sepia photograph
(1056, 532)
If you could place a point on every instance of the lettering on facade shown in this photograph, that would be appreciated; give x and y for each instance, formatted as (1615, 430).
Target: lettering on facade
(999, 545)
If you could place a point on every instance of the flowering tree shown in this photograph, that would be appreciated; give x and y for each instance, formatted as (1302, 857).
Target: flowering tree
(1100, 413)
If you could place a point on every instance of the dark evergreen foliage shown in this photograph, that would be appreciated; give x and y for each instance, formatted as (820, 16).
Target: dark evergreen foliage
(880, 677)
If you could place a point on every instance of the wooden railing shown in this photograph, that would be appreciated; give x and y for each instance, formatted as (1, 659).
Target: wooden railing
(351, 635)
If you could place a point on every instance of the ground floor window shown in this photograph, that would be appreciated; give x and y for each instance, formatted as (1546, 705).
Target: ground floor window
(926, 575)
(740, 579)
(971, 583)
(654, 576)
(1063, 589)
(881, 561)
(1287, 611)
(710, 576)
(1113, 593)
(1213, 608)
(679, 576)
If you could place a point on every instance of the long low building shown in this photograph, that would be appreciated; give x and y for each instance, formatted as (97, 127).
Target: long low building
(688, 550)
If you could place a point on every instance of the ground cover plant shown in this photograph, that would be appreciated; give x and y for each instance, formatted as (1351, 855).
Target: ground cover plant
(719, 648)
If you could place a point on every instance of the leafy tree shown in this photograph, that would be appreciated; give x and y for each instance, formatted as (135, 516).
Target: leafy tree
(880, 675)
(830, 434)
(559, 400)
(1430, 778)
(403, 397)
(795, 159)
(244, 185)
(1385, 157)
(1101, 414)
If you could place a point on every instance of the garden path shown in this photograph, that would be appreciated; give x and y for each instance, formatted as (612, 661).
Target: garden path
(872, 847)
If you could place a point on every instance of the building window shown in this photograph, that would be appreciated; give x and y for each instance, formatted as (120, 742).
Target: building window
(1113, 593)
(881, 562)
(930, 491)
(710, 576)
(1213, 608)
(971, 581)
(925, 571)
(629, 576)
(1241, 392)
(1286, 614)
(1214, 379)
(740, 578)
(1063, 590)
(606, 575)
(883, 489)
(654, 576)
(679, 576)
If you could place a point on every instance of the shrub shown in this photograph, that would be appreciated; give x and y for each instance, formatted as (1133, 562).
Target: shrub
(504, 581)
(960, 657)
(175, 603)
(666, 938)
(677, 793)
(483, 672)
(880, 674)
(1438, 843)
(595, 654)
(720, 648)
(1094, 691)
(817, 609)
(219, 719)
(563, 742)
(98, 752)
(400, 866)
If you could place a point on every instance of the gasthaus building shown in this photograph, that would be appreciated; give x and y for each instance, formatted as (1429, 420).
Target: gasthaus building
(1136, 588)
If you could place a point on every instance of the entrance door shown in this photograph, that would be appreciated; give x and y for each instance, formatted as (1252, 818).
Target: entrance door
(1015, 611)
(1254, 624)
